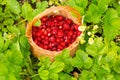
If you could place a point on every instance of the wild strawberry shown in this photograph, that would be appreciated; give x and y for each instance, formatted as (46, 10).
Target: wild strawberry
(66, 26)
(43, 19)
(55, 33)
(60, 33)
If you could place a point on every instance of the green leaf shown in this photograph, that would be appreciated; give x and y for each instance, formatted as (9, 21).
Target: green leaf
(65, 53)
(54, 76)
(13, 29)
(95, 68)
(82, 3)
(3, 70)
(88, 62)
(13, 6)
(42, 5)
(81, 60)
(93, 14)
(22, 28)
(106, 68)
(110, 58)
(14, 56)
(77, 60)
(6, 45)
(116, 66)
(56, 67)
(47, 63)
(71, 3)
(44, 74)
(24, 43)
(103, 5)
(66, 59)
(1, 43)
(38, 23)
(98, 47)
(64, 76)
(115, 23)
(11, 76)
(8, 22)
(33, 1)
(27, 11)
(118, 10)
(86, 75)
(111, 24)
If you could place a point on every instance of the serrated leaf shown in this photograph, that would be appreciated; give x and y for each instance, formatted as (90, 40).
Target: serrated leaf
(3, 70)
(86, 75)
(118, 10)
(47, 63)
(24, 43)
(81, 60)
(64, 76)
(6, 45)
(97, 48)
(27, 11)
(77, 61)
(44, 74)
(106, 68)
(11, 76)
(116, 66)
(110, 58)
(66, 59)
(65, 53)
(93, 14)
(103, 5)
(71, 3)
(54, 76)
(82, 3)
(56, 67)
(8, 22)
(13, 29)
(13, 6)
(42, 5)
(88, 62)
(1, 43)
(14, 57)
(111, 24)
(115, 23)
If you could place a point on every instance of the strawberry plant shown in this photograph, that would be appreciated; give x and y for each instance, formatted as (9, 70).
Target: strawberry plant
(97, 56)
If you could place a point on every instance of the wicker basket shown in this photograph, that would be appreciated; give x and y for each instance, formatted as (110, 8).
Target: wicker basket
(59, 10)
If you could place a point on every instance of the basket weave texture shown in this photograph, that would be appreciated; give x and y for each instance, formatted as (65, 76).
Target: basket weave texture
(65, 11)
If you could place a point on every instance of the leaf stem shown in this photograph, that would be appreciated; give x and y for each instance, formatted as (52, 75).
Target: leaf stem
(21, 21)
(34, 75)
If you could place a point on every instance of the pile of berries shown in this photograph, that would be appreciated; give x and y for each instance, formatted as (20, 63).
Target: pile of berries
(55, 33)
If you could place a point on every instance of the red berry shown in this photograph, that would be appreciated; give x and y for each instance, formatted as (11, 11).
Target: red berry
(63, 44)
(60, 33)
(43, 19)
(60, 27)
(58, 40)
(59, 17)
(70, 33)
(66, 26)
(52, 39)
(55, 33)
(68, 21)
